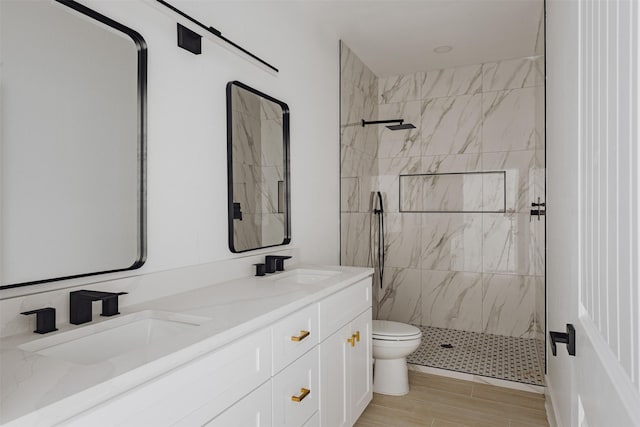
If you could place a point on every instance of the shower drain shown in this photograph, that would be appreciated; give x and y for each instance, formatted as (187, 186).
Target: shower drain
(446, 345)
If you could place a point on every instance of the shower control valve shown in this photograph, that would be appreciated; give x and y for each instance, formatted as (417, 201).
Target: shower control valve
(539, 211)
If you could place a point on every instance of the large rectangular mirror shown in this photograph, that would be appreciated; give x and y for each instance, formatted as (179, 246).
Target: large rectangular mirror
(72, 147)
(258, 169)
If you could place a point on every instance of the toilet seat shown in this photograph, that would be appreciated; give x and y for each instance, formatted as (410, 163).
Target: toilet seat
(386, 330)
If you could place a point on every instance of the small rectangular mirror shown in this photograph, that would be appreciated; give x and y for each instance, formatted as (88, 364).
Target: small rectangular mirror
(258, 169)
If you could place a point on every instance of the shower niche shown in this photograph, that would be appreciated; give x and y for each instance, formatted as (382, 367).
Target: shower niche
(454, 192)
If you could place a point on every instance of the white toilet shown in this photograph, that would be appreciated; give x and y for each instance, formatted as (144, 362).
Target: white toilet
(392, 343)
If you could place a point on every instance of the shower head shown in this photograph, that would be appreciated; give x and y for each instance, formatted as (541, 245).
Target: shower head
(400, 124)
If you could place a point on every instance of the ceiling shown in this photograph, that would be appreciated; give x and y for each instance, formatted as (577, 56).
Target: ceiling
(398, 36)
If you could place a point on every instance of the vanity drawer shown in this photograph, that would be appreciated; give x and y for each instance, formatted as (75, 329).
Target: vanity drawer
(340, 308)
(299, 381)
(293, 336)
(202, 388)
(313, 421)
(253, 410)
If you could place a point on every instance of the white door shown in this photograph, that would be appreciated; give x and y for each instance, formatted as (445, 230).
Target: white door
(592, 210)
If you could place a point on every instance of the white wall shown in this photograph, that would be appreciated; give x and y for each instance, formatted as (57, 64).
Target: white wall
(186, 145)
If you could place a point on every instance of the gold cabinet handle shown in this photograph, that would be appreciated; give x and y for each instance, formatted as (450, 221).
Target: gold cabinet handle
(357, 336)
(352, 341)
(303, 335)
(304, 392)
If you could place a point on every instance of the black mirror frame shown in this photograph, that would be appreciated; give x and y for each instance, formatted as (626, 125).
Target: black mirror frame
(287, 177)
(141, 45)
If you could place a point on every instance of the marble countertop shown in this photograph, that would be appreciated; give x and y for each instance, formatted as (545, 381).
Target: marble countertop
(39, 390)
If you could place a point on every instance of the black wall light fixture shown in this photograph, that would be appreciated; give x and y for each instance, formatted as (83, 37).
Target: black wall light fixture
(214, 32)
(189, 40)
(401, 125)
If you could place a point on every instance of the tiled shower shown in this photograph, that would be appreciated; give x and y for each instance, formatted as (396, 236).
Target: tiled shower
(463, 252)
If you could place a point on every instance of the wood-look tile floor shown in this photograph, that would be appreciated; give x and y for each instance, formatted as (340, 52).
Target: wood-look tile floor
(436, 401)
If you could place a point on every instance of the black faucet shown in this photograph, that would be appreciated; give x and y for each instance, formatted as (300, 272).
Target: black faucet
(274, 263)
(80, 305)
(45, 319)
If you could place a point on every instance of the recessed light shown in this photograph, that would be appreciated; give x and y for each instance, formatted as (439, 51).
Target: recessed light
(443, 49)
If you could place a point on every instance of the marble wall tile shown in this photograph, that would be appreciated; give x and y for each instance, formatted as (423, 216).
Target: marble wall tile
(388, 178)
(452, 81)
(399, 143)
(352, 104)
(354, 246)
(245, 196)
(520, 178)
(506, 243)
(353, 71)
(353, 137)
(540, 117)
(245, 102)
(399, 88)
(269, 173)
(400, 299)
(539, 175)
(540, 45)
(271, 143)
(452, 242)
(368, 186)
(246, 135)
(272, 229)
(537, 229)
(459, 129)
(411, 193)
(508, 303)
(513, 74)
(351, 161)
(270, 111)
(402, 240)
(452, 300)
(451, 193)
(509, 120)
(368, 167)
(349, 194)
(246, 233)
(451, 125)
(267, 195)
(370, 141)
(540, 304)
(493, 191)
(451, 163)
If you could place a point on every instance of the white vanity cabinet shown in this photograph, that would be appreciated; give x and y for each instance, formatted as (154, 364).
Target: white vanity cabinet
(253, 410)
(193, 394)
(345, 356)
(310, 368)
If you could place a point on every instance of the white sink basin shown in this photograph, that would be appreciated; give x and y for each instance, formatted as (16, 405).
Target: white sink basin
(304, 276)
(98, 342)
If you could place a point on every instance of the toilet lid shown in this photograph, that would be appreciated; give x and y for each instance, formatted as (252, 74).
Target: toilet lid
(386, 329)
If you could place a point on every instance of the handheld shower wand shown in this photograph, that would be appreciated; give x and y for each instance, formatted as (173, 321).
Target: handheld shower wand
(378, 211)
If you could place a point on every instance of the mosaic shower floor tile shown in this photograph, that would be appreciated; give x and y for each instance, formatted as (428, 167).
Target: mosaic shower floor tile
(496, 356)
